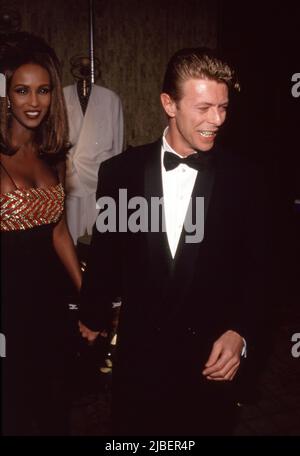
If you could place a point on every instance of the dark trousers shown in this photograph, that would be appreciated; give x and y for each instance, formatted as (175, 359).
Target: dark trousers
(207, 410)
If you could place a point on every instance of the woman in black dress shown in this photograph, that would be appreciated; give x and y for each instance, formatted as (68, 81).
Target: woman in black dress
(37, 253)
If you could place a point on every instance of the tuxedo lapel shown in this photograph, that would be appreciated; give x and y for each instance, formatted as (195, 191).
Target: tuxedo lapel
(203, 188)
(187, 253)
(157, 241)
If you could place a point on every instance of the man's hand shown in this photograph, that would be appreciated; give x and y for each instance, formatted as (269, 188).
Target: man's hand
(224, 359)
(87, 333)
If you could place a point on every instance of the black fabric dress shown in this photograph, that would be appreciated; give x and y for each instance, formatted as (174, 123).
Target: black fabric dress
(33, 314)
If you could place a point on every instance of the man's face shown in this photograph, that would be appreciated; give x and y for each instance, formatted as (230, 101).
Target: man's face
(195, 119)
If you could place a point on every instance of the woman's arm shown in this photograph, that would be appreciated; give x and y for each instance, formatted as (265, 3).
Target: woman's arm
(63, 242)
(65, 249)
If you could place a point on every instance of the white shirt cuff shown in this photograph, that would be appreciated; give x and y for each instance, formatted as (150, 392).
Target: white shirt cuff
(244, 350)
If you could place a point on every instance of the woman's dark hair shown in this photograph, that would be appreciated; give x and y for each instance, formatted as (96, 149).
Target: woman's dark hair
(21, 48)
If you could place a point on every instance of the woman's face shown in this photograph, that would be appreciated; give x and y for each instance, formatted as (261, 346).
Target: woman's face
(29, 95)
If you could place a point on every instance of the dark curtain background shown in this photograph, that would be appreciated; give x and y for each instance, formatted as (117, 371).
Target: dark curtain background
(133, 42)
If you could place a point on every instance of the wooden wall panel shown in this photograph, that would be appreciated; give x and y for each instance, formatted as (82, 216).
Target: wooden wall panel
(133, 41)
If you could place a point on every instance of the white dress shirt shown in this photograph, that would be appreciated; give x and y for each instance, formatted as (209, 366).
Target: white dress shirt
(178, 185)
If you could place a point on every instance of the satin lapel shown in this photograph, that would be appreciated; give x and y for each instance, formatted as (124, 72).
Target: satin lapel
(185, 260)
(158, 247)
(75, 115)
(88, 124)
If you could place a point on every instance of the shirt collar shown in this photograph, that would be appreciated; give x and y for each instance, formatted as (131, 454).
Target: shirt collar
(165, 145)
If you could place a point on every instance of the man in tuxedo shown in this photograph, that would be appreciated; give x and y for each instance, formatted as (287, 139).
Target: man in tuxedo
(190, 305)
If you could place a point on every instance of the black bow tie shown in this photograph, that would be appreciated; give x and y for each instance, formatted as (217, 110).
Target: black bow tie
(198, 161)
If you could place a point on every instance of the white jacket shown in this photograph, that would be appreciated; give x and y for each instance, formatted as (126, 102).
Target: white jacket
(95, 137)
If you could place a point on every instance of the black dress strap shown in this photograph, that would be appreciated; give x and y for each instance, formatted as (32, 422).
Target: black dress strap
(8, 175)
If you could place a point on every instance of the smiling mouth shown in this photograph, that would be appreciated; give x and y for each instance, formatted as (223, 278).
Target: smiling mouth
(208, 133)
(32, 114)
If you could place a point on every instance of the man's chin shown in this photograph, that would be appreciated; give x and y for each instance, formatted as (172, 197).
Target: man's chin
(206, 147)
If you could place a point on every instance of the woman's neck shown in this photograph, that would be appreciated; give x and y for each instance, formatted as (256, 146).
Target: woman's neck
(22, 138)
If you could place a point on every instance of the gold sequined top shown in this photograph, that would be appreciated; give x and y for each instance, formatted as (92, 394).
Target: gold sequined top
(22, 209)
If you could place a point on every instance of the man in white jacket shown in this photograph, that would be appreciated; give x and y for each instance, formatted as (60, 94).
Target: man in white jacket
(95, 136)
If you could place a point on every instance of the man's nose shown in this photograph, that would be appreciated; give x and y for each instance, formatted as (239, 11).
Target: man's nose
(216, 117)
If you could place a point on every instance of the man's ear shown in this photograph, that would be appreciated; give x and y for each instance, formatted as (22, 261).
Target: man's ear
(168, 104)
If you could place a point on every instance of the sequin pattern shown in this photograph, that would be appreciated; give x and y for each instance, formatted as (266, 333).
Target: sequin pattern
(22, 209)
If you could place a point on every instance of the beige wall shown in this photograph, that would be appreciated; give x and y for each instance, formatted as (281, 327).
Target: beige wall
(133, 41)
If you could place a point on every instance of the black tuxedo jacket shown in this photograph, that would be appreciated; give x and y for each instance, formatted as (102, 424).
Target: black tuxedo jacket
(174, 310)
